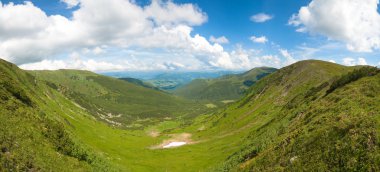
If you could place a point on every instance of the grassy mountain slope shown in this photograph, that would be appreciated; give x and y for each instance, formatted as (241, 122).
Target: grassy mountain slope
(228, 87)
(293, 124)
(139, 82)
(113, 100)
(32, 134)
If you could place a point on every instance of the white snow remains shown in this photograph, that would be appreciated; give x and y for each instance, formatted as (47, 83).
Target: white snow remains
(174, 144)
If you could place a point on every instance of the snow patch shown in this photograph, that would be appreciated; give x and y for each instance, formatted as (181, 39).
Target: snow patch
(174, 144)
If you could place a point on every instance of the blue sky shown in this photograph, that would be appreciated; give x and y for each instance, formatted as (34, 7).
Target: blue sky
(117, 35)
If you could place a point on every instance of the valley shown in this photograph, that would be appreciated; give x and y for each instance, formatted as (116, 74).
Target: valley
(287, 120)
(189, 86)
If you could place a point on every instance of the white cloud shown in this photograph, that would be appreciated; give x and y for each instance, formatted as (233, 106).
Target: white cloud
(362, 61)
(348, 61)
(242, 57)
(261, 17)
(98, 50)
(70, 3)
(270, 60)
(30, 35)
(261, 39)
(90, 65)
(332, 61)
(81, 61)
(354, 22)
(219, 40)
(289, 58)
(165, 13)
(21, 20)
(100, 29)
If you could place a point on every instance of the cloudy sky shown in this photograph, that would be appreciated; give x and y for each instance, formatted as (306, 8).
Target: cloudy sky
(134, 35)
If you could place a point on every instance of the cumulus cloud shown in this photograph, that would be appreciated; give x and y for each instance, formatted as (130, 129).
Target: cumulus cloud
(30, 35)
(249, 58)
(261, 39)
(70, 3)
(98, 50)
(289, 58)
(272, 60)
(78, 60)
(164, 13)
(348, 61)
(354, 22)
(362, 61)
(34, 40)
(219, 40)
(261, 17)
(91, 65)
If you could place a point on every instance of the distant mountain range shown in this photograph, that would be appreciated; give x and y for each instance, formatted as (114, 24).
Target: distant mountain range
(169, 80)
(225, 88)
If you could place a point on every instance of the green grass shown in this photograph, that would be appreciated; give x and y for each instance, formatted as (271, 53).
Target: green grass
(91, 144)
(228, 87)
(295, 127)
(286, 115)
(31, 139)
(114, 100)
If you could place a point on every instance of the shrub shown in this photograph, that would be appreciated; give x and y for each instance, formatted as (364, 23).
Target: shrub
(352, 76)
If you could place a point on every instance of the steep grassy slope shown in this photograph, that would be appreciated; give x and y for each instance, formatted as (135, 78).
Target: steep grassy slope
(32, 135)
(116, 101)
(228, 87)
(294, 124)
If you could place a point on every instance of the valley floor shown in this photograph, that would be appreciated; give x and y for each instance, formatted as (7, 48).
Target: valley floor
(138, 150)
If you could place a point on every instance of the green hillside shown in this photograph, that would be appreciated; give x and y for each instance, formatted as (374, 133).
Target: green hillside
(33, 136)
(139, 82)
(116, 101)
(309, 116)
(170, 81)
(294, 122)
(225, 88)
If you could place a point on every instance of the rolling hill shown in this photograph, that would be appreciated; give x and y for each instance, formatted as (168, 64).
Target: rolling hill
(309, 116)
(225, 88)
(116, 101)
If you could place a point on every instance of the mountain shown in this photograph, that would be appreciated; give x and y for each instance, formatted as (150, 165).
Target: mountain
(115, 101)
(169, 80)
(226, 88)
(33, 136)
(309, 116)
(139, 82)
